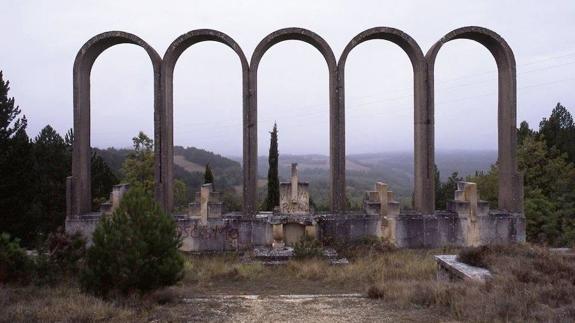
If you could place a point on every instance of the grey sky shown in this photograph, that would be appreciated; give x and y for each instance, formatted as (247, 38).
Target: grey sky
(41, 38)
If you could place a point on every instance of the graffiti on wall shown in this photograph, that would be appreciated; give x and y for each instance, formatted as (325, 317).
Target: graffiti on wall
(197, 231)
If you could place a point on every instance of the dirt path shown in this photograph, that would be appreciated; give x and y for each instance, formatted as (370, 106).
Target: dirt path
(295, 308)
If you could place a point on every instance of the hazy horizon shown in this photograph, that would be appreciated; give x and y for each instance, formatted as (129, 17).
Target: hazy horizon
(43, 38)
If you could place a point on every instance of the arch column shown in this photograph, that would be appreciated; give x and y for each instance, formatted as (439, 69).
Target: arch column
(81, 190)
(510, 181)
(176, 48)
(337, 136)
(423, 121)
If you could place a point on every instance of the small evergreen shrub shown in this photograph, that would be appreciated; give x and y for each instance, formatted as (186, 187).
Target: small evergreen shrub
(134, 250)
(307, 247)
(15, 266)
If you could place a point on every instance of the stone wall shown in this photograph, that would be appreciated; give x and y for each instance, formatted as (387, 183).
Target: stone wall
(412, 230)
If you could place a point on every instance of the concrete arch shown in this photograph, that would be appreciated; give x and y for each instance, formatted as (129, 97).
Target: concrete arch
(510, 181)
(337, 196)
(423, 123)
(176, 48)
(81, 193)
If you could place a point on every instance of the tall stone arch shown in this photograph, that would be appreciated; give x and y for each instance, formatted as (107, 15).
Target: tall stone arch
(423, 122)
(337, 196)
(176, 48)
(510, 181)
(81, 176)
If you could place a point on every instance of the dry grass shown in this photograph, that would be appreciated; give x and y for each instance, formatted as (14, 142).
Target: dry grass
(205, 270)
(57, 304)
(363, 271)
(529, 284)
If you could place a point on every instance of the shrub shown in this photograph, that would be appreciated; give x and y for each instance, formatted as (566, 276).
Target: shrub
(135, 249)
(307, 247)
(66, 251)
(375, 292)
(15, 266)
(365, 247)
(60, 255)
(474, 256)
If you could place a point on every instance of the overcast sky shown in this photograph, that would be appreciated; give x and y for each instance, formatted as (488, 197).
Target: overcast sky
(41, 38)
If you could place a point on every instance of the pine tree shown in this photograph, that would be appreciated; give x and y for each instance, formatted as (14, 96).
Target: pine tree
(52, 159)
(18, 207)
(208, 175)
(134, 250)
(138, 168)
(103, 178)
(10, 122)
(523, 132)
(273, 196)
(559, 131)
(445, 191)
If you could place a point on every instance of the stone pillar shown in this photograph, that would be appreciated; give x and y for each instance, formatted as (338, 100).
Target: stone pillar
(82, 152)
(311, 230)
(118, 192)
(382, 202)
(467, 195)
(381, 189)
(294, 182)
(337, 139)
(424, 145)
(70, 205)
(510, 196)
(204, 199)
(278, 235)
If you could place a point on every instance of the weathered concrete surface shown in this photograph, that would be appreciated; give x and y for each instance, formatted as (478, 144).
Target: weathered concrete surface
(82, 152)
(510, 181)
(382, 202)
(337, 150)
(423, 120)
(85, 225)
(450, 269)
(294, 195)
(412, 230)
(176, 48)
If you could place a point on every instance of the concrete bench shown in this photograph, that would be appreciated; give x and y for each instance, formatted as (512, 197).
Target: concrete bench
(450, 269)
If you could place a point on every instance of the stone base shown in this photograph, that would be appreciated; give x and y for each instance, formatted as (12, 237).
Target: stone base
(234, 232)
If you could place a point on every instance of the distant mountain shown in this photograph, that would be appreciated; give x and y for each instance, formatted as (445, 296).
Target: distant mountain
(362, 170)
(189, 166)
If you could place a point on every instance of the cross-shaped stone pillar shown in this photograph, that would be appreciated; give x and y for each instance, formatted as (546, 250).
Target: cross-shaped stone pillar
(204, 199)
(294, 182)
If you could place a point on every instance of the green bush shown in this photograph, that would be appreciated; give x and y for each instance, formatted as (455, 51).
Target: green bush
(307, 247)
(134, 250)
(65, 251)
(15, 266)
(59, 256)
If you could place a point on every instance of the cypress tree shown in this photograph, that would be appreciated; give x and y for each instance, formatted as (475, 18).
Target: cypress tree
(273, 197)
(208, 175)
